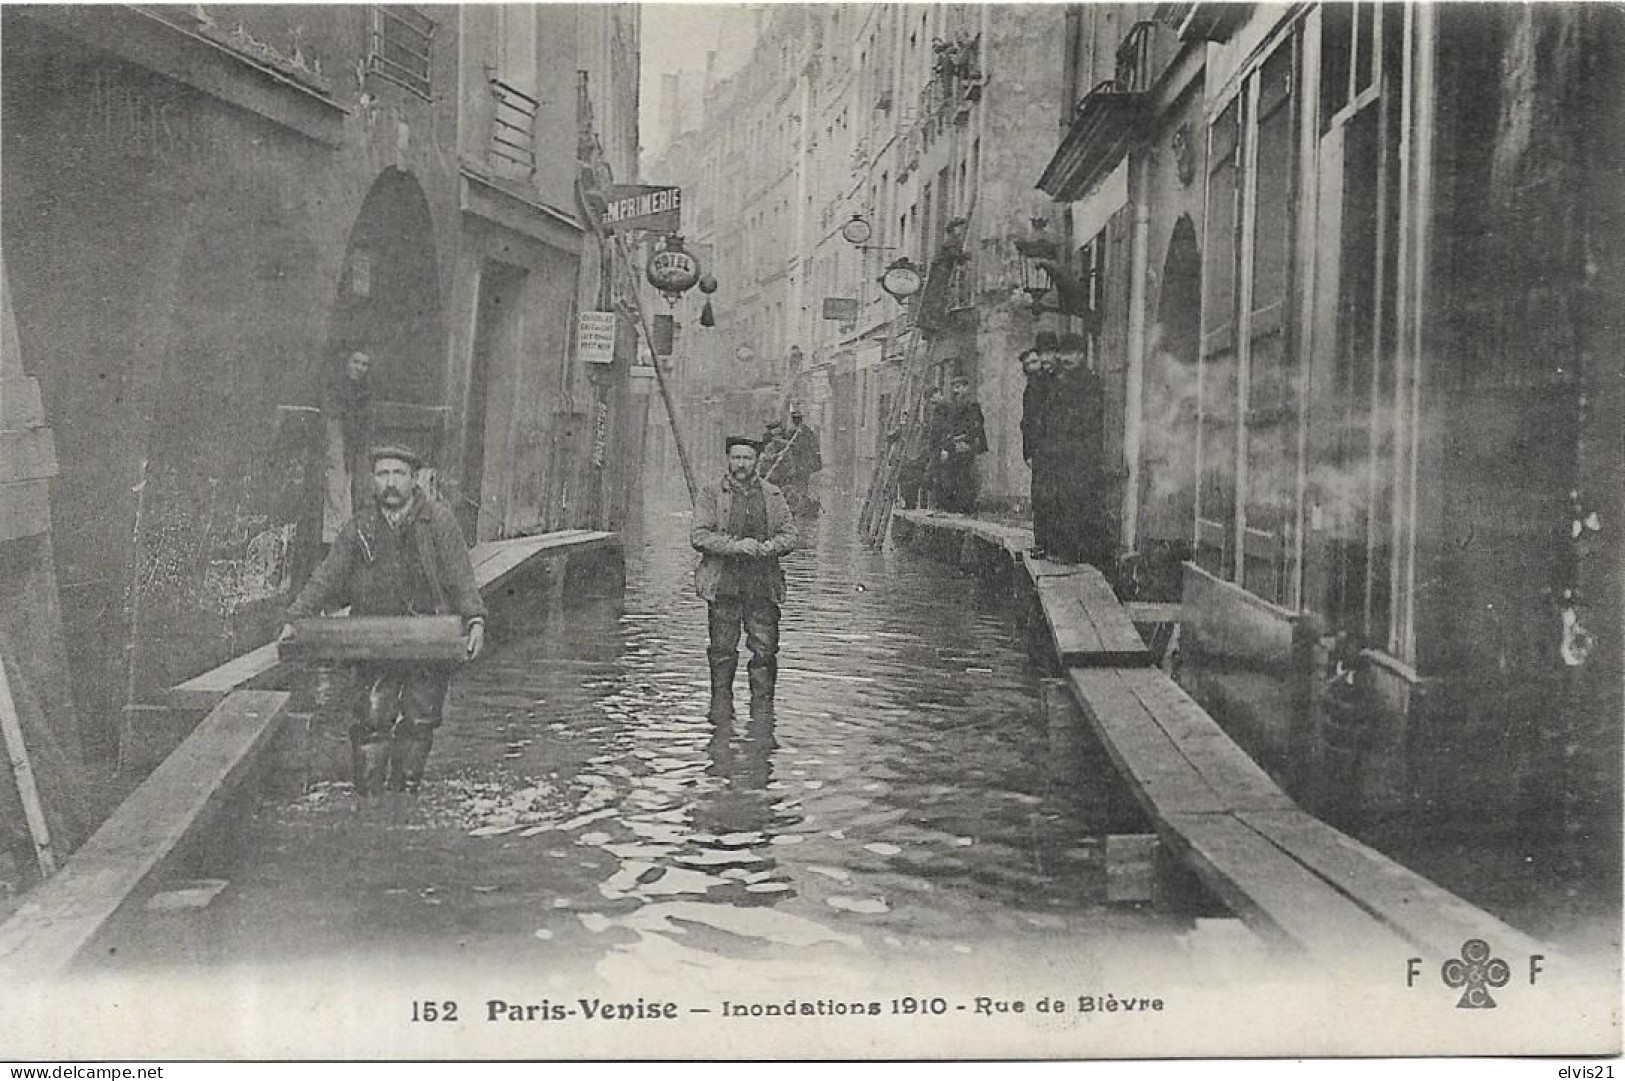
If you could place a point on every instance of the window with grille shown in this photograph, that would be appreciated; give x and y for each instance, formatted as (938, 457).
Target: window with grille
(399, 39)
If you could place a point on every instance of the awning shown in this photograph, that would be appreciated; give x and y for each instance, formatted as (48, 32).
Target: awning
(1203, 21)
(1108, 122)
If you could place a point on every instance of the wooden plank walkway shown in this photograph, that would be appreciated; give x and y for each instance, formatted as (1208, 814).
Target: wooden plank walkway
(1303, 886)
(496, 563)
(62, 915)
(1088, 624)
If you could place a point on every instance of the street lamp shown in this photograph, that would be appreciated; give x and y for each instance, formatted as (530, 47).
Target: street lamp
(901, 280)
(1039, 256)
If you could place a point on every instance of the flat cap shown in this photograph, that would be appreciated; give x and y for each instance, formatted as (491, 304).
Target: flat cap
(398, 451)
(740, 440)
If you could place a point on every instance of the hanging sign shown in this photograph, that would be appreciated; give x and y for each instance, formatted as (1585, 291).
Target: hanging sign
(595, 337)
(600, 433)
(673, 271)
(656, 207)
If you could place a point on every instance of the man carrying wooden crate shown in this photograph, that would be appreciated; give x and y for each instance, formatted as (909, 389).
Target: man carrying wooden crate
(403, 556)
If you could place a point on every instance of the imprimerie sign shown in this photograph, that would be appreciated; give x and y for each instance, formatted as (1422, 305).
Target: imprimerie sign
(655, 207)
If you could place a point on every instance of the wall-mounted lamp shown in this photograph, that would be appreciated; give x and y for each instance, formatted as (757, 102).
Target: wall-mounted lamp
(901, 280)
(857, 232)
(1044, 270)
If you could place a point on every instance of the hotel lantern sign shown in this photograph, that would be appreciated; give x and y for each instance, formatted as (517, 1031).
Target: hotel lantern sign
(672, 270)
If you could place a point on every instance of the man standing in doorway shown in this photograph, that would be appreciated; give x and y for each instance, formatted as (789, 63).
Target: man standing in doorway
(1037, 401)
(1074, 453)
(963, 437)
(347, 410)
(742, 525)
(402, 556)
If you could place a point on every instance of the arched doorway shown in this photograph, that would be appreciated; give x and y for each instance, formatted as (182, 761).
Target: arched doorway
(387, 310)
(1167, 479)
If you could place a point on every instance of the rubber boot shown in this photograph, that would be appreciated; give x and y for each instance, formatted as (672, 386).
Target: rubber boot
(358, 764)
(411, 754)
(722, 688)
(374, 761)
(762, 681)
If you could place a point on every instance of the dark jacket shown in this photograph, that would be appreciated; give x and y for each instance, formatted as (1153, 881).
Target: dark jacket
(804, 452)
(1073, 419)
(711, 538)
(1035, 403)
(350, 574)
(962, 422)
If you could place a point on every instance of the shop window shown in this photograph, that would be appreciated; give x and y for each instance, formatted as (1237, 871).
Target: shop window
(1351, 471)
(1248, 382)
(1216, 384)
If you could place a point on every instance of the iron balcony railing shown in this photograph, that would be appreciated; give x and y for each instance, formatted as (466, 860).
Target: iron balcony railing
(398, 48)
(513, 129)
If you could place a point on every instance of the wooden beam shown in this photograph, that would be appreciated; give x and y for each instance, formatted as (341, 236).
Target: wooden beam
(495, 563)
(1088, 623)
(1161, 778)
(22, 771)
(205, 691)
(26, 454)
(1278, 897)
(1154, 611)
(25, 509)
(60, 918)
(20, 404)
(1425, 913)
(1240, 782)
(376, 638)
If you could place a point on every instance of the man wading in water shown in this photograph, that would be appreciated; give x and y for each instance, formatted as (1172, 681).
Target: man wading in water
(742, 525)
(403, 556)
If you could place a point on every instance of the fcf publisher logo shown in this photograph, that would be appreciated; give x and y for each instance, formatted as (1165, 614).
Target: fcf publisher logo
(1474, 973)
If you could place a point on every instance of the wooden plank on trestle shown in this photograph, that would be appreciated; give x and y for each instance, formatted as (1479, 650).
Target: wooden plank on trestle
(1161, 779)
(1047, 568)
(205, 691)
(1240, 782)
(1118, 636)
(1080, 639)
(494, 562)
(1423, 912)
(1276, 895)
(61, 916)
(1154, 611)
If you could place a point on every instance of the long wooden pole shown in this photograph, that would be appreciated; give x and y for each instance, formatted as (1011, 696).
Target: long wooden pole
(660, 376)
(11, 729)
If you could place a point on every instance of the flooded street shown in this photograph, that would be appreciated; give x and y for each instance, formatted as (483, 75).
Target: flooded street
(907, 804)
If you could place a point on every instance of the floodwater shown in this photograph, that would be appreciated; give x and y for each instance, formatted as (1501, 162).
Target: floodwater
(906, 805)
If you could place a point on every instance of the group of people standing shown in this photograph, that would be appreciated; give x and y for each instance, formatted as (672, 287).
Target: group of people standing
(1062, 417)
(939, 456)
(788, 458)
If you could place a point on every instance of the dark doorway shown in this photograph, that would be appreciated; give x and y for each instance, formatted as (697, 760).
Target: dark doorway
(388, 306)
(491, 410)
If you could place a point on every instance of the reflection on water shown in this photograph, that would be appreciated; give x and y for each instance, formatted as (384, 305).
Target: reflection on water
(905, 798)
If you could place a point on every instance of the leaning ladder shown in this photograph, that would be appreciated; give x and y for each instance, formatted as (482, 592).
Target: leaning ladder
(875, 518)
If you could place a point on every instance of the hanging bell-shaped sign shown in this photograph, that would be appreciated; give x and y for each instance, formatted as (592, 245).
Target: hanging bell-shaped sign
(706, 318)
(672, 270)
